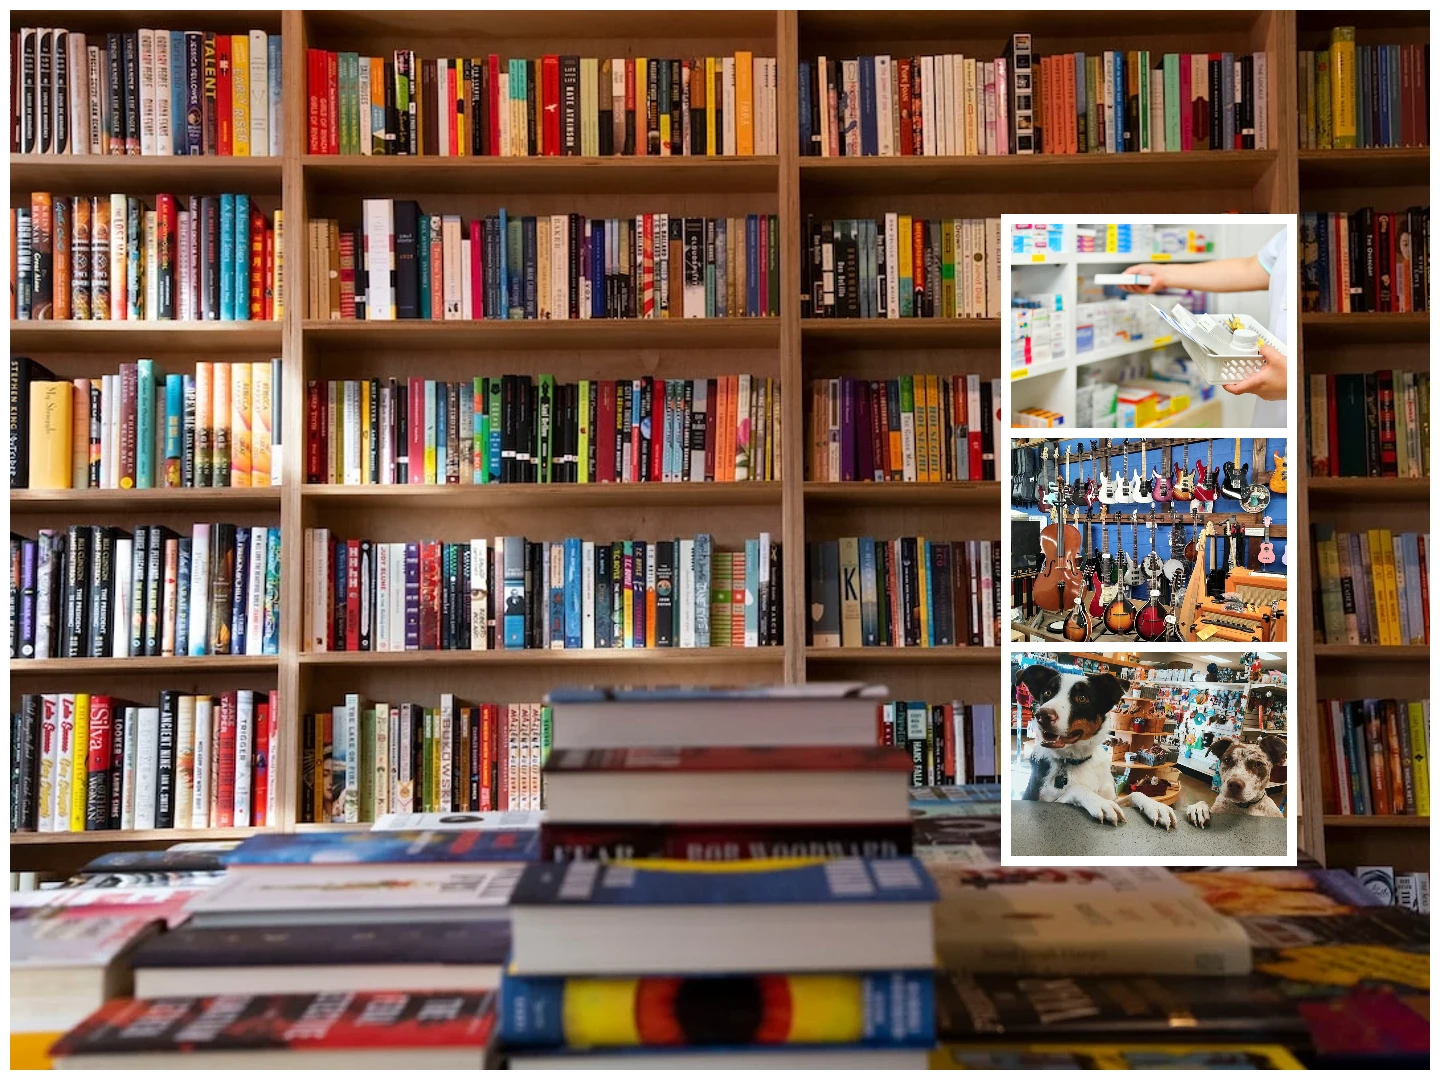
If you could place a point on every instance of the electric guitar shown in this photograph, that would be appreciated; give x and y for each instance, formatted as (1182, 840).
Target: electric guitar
(1279, 481)
(1175, 565)
(1123, 492)
(1140, 485)
(1266, 555)
(1215, 582)
(1160, 481)
(1233, 483)
(1153, 566)
(1108, 488)
(1133, 575)
(1183, 489)
(1205, 476)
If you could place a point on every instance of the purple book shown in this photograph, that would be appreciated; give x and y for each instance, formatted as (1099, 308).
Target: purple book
(27, 599)
(412, 596)
(865, 466)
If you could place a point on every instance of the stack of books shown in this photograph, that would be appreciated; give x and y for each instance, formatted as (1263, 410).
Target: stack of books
(1365, 260)
(1372, 424)
(1374, 587)
(1362, 96)
(1377, 756)
(659, 929)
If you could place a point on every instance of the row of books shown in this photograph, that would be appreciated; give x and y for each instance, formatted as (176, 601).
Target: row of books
(900, 267)
(925, 428)
(148, 92)
(86, 762)
(405, 264)
(142, 428)
(949, 742)
(93, 591)
(510, 593)
(1378, 756)
(1020, 103)
(213, 258)
(361, 760)
(552, 106)
(904, 593)
(1375, 424)
(1374, 587)
(524, 429)
(1363, 95)
(1368, 260)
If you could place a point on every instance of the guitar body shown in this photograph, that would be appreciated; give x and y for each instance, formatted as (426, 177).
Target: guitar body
(1183, 489)
(1234, 482)
(1106, 494)
(1139, 490)
(1121, 493)
(1095, 608)
(1159, 488)
(1279, 482)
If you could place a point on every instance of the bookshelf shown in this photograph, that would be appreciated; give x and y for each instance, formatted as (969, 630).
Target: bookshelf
(787, 347)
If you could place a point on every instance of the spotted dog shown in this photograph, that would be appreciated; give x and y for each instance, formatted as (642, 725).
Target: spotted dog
(1072, 763)
(1244, 770)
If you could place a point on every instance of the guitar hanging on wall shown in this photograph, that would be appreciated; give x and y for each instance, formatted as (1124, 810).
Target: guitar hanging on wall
(1183, 490)
(1205, 477)
(1160, 481)
(1279, 481)
(1234, 481)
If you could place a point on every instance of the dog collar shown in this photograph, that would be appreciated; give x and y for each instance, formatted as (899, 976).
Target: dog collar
(1075, 761)
(1252, 802)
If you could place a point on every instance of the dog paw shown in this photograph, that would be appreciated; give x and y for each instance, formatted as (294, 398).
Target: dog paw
(1108, 813)
(1161, 816)
(1199, 815)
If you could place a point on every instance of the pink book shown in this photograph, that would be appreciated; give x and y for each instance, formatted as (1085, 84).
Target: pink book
(1002, 107)
(415, 405)
(991, 142)
(1185, 107)
(477, 269)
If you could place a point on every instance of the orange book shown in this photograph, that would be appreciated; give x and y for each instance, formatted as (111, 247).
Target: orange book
(240, 415)
(745, 104)
(1072, 127)
(261, 423)
(727, 427)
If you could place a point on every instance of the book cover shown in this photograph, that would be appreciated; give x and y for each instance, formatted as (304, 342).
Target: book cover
(562, 842)
(388, 846)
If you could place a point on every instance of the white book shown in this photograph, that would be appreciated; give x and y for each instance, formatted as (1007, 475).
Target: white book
(164, 122)
(945, 127)
(928, 140)
(77, 89)
(204, 747)
(974, 108)
(379, 231)
(884, 125)
(65, 787)
(587, 594)
(992, 268)
(351, 801)
(685, 573)
(987, 593)
(184, 761)
(244, 754)
(405, 765)
(479, 596)
(559, 299)
(259, 90)
(380, 783)
(397, 597)
(255, 592)
(507, 143)
(366, 130)
(447, 742)
(467, 300)
(727, 97)
(199, 628)
(450, 239)
(850, 88)
(147, 765)
(97, 103)
(392, 780)
(120, 609)
(152, 265)
(319, 607)
(382, 598)
(146, 49)
(1262, 101)
(119, 260)
(907, 444)
(352, 432)
(128, 761)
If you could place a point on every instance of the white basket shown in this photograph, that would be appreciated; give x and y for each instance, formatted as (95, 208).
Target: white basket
(1206, 338)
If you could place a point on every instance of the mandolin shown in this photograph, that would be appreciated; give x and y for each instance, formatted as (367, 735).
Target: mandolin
(1183, 490)
(1078, 624)
(1150, 623)
(1279, 482)
(1120, 612)
(1059, 580)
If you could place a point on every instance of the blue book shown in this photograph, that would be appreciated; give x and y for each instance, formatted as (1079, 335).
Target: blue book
(1410, 545)
(502, 299)
(515, 267)
(573, 623)
(227, 258)
(422, 256)
(388, 846)
(1118, 80)
(752, 264)
(270, 625)
(442, 427)
(869, 593)
(555, 593)
(242, 258)
(873, 1008)
(237, 601)
(530, 284)
(752, 592)
(513, 576)
(182, 596)
(274, 69)
(929, 628)
(1382, 64)
(431, 418)
(597, 268)
(174, 424)
(178, 95)
(145, 424)
(703, 547)
(805, 106)
(194, 95)
(869, 135)
(1393, 51)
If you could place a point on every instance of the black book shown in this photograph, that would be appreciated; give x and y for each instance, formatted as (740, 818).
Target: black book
(210, 135)
(528, 243)
(908, 582)
(102, 588)
(570, 106)
(1418, 225)
(165, 769)
(60, 140)
(407, 265)
(29, 90)
(536, 616)
(25, 772)
(208, 244)
(139, 563)
(477, 72)
(647, 412)
(367, 593)
(467, 570)
(155, 588)
(943, 592)
(651, 90)
(638, 579)
(23, 371)
(532, 120)
(44, 112)
(341, 594)
(77, 575)
(675, 106)
(603, 626)
(987, 431)
(507, 429)
(848, 253)
(665, 636)
(239, 590)
(576, 227)
(372, 463)
(607, 111)
(131, 44)
(1372, 424)
(777, 603)
(115, 76)
(400, 394)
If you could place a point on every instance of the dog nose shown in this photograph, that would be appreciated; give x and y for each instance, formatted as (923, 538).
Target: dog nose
(1046, 718)
(1235, 789)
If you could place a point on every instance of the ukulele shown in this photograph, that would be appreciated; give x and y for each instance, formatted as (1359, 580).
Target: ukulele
(1183, 490)
(1205, 476)
(1160, 481)
(1279, 483)
(1100, 572)
(1059, 579)
(1120, 612)
(1140, 485)
(1234, 480)
(1266, 555)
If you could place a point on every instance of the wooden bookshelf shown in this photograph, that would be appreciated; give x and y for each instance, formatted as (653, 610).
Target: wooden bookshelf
(1279, 179)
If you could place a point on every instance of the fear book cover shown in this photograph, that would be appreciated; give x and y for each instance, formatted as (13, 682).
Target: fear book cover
(284, 1021)
(733, 759)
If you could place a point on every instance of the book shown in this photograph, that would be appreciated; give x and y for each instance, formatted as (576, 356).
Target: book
(563, 841)
(1365, 260)
(383, 847)
(70, 965)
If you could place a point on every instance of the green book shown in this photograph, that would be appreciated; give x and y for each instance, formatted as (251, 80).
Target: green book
(1172, 101)
(145, 424)
(367, 765)
(1143, 67)
(947, 270)
(481, 432)
(583, 449)
(1092, 106)
(422, 257)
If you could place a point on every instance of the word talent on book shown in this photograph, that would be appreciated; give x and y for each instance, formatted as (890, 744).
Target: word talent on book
(1377, 756)
(921, 428)
(91, 762)
(1372, 424)
(519, 429)
(149, 92)
(901, 267)
(361, 761)
(949, 742)
(1374, 587)
(905, 593)
(363, 596)
(1368, 260)
(1363, 95)
(142, 428)
(570, 106)
(93, 591)
(1103, 103)
(405, 264)
(214, 258)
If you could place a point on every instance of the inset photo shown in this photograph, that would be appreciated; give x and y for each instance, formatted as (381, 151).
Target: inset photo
(1165, 757)
(1180, 539)
(1146, 321)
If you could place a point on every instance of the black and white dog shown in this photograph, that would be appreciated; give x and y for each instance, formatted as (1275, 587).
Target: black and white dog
(1072, 763)
(1244, 770)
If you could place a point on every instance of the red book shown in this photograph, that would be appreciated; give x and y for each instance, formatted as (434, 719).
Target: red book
(268, 287)
(415, 406)
(430, 595)
(1385, 414)
(260, 747)
(635, 122)
(550, 81)
(223, 799)
(502, 757)
(314, 435)
(487, 757)
(1423, 545)
(224, 104)
(449, 95)
(493, 62)
(1374, 736)
(272, 739)
(352, 595)
(316, 101)
(977, 452)
(477, 270)
(604, 434)
(332, 83)
(257, 265)
(97, 762)
(907, 133)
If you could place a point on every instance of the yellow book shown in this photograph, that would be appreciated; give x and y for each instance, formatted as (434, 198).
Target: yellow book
(462, 95)
(1377, 587)
(335, 458)
(1392, 593)
(1420, 754)
(922, 431)
(933, 427)
(745, 104)
(642, 109)
(664, 130)
(240, 415)
(365, 433)
(922, 572)
(1342, 87)
(278, 284)
(261, 434)
(79, 762)
(30, 1050)
(710, 106)
(240, 94)
(52, 406)
(628, 625)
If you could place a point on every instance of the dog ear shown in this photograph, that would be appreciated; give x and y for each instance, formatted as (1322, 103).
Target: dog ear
(1275, 748)
(1108, 691)
(1220, 746)
(1040, 680)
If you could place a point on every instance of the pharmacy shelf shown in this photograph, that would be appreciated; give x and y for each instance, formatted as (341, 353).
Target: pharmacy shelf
(1099, 356)
(1048, 367)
